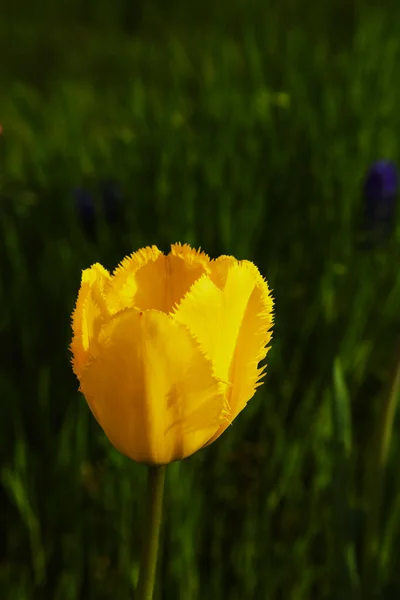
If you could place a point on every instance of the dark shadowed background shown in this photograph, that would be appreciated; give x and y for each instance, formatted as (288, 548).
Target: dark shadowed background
(246, 128)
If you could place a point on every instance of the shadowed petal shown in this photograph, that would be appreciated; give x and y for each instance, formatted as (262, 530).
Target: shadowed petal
(219, 269)
(138, 281)
(151, 388)
(185, 265)
(150, 280)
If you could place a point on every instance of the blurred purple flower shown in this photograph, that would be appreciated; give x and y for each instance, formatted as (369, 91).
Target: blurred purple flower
(111, 205)
(380, 192)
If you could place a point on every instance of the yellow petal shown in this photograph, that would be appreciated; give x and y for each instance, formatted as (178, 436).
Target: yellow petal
(214, 316)
(151, 388)
(185, 266)
(252, 346)
(231, 325)
(149, 280)
(139, 280)
(190, 255)
(88, 316)
(219, 268)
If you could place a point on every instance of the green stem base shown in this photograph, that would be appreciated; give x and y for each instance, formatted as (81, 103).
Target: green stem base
(152, 527)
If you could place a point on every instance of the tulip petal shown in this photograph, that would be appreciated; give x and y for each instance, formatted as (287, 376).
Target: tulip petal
(88, 316)
(231, 325)
(252, 347)
(151, 388)
(214, 316)
(139, 280)
(150, 280)
(185, 266)
(219, 269)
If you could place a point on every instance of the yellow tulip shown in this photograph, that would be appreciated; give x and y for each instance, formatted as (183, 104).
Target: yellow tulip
(167, 348)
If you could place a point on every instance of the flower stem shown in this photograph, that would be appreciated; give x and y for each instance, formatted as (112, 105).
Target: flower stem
(152, 526)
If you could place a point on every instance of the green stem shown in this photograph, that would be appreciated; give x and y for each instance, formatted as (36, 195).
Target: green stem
(152, 526)
(376, 466)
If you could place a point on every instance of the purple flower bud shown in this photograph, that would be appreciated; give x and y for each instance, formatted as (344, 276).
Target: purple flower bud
(380, 192)
(381, 180)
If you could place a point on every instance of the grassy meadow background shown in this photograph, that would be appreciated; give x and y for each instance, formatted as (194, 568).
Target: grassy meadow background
(246, 129)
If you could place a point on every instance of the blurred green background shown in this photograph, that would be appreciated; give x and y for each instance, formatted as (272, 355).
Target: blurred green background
(245, 128)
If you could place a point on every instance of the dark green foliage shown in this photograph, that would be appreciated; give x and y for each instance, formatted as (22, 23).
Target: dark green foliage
(248, 135)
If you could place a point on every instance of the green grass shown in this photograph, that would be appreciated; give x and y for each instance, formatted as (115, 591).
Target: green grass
(252, 143)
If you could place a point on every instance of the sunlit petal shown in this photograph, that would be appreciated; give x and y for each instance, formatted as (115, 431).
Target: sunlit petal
(251, 348)
(88, 316)
(214, 316)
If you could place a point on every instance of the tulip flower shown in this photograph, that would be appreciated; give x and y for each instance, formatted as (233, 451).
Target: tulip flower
(166, 349)
(380, 192)
(167, 352)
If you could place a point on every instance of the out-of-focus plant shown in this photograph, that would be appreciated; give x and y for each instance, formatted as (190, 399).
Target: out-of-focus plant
(380, 193)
